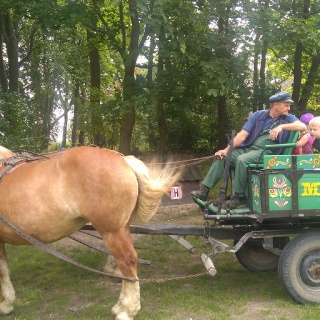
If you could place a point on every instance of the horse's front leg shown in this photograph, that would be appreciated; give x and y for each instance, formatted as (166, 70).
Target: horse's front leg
(8, 292)
(121, 247)
(128, 304)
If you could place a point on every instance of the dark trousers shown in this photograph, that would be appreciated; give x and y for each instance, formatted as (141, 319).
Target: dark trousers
(240, 158)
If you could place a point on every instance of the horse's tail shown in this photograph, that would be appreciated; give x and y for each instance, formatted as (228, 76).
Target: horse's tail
(151, 190)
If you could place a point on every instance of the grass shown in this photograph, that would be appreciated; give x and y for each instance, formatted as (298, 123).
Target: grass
(48, 288)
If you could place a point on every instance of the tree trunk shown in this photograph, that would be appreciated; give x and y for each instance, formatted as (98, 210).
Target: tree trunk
(297, 69)
(129, 117)
(222, 116)
(75, 115)
(81, 118)
(256, 92)
(261, 96)
(46, 118)
(64, 130)
(163, 130)
(297, 72)
(11, 42)
(307, 88)
(3, 78)
(151, 136)
(222, 105)
(95, 85)
(129, 83)
(262, 80)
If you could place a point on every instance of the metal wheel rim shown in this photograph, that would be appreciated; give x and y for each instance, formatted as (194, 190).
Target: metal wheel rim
(309, 270)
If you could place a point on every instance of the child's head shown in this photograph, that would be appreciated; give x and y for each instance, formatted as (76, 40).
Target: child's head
(306, 118)
(314, 127)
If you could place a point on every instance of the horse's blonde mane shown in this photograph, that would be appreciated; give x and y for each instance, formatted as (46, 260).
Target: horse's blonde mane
(5, 153)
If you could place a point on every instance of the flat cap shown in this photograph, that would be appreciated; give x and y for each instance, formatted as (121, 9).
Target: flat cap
(281, 97)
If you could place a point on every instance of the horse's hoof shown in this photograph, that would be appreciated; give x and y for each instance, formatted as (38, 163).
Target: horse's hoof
(123, 316)
(5, 308)
(116, 309)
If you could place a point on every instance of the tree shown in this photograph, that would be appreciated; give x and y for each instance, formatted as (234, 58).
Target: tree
(95, 84)
(128, 43)
(298, 56)
(8, 32)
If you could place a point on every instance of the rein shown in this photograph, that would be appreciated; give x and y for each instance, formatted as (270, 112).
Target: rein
(186, 163)
(56, 253)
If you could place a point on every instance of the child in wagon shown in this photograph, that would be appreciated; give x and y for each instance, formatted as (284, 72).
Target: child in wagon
(305, 141)
(314, 129)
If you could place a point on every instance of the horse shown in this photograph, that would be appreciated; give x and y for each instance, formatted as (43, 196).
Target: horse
(57, 195)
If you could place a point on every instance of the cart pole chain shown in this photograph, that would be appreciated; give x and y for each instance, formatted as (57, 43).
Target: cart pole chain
(161, 280)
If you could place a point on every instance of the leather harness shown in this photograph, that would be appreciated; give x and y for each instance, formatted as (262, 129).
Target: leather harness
(19, 159)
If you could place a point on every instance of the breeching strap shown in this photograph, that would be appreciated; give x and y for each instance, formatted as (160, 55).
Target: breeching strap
(55, 253)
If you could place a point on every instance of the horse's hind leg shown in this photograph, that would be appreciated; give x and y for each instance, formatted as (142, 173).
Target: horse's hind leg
(8, 292)
(120, 245)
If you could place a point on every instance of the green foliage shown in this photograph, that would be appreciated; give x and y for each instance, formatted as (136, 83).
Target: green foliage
(56, 146)
(206, 47)
(297, 25)
(16, 123)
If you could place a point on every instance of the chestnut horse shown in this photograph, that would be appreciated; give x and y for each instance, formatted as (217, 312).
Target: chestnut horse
(53, 198)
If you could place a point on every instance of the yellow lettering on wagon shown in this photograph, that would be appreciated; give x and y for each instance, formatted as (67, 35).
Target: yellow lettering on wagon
(310, 189)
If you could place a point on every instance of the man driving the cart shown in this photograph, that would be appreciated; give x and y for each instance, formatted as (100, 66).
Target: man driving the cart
(263, 127)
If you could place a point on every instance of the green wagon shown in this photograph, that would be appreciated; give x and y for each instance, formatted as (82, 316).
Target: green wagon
(280, 224)
(279, 228)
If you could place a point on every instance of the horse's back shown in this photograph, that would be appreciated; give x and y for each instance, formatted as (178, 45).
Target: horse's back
(52, 198)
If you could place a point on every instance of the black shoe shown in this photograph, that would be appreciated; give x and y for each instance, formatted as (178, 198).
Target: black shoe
(202, 193)
(216, 202)
(234, 202)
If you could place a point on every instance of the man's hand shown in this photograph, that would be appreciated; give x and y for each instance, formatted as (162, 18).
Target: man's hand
(273, 134)
(221, 154)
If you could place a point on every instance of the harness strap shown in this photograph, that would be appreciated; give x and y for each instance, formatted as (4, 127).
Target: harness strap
(10, 167)
(14, 162)
(56, 253)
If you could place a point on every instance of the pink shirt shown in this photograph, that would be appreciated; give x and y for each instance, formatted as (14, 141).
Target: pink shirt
(307, 148)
